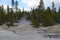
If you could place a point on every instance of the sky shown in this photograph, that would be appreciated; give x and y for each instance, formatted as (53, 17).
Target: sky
(28, 4)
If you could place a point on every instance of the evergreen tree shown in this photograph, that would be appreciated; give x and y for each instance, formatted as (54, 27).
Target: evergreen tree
(54, 11)
(49, 18)
(11, 17)
(19, 14)
(16, 7)
(34, 19)
(53, 7)
(7, 14)
(16, 4)
(7, 9)
(12, 3)
(41, 10)
(41, 5)
(2, 15)
(33, 14)
(28, 14)
(58, 16)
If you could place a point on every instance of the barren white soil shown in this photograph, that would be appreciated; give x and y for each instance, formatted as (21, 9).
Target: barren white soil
(24, 31)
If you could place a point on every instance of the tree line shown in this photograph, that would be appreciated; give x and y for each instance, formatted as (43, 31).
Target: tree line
(38, 16)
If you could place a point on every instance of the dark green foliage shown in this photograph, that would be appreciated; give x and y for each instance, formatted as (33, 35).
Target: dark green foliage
(28, 16)
(7, 13)
(19, 15)
(58, 16)
(10, 17)
(2, 15)
(34, 19)
(48, 18)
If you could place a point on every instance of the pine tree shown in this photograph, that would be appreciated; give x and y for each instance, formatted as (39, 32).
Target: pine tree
(41, 10)
(41, 5)
(7, 14)
(11, 18)
(16, 4)
(28, 16)
(16, 7)
(19, 15)
(34, 19)
(12, 3)
(58, 16)
(54, 10)
(7, 9)
(49, 18)
(2, 15)
(53, 7)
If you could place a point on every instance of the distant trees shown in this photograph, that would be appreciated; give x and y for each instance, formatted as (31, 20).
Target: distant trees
(39, 15)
